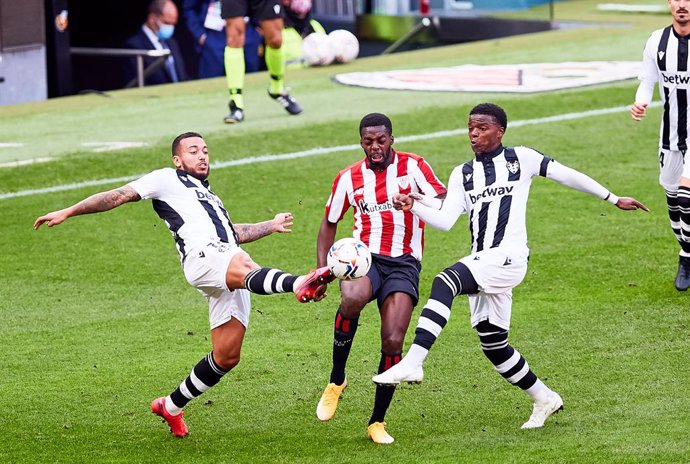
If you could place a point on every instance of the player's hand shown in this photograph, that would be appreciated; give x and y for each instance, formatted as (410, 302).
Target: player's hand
(630, 204)
(282, 223)
(402, 202)
(638, 110)
(51, 219)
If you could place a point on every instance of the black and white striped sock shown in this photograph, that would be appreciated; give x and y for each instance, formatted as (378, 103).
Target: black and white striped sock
(683, 204)
(266, 281)
(452, 281)
(204, 375)
(507, 360)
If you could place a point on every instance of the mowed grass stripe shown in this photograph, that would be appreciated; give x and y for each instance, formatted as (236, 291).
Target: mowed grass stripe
(321, 151)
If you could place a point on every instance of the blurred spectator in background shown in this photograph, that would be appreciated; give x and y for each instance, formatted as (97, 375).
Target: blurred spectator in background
(208, 29)
(298, 25)
(157, 34)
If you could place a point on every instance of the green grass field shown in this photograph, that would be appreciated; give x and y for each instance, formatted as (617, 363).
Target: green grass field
(98, 320)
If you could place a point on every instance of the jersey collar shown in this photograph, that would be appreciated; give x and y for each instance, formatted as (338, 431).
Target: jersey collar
(488, 156)
(183, 173)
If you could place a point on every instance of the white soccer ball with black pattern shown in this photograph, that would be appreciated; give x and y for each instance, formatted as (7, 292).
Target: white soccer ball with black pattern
(344, 44)
(349, 259)
(317, 50)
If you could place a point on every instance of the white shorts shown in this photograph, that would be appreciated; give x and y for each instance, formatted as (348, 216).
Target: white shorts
(205, 269)
(672, 166)
(497, 272)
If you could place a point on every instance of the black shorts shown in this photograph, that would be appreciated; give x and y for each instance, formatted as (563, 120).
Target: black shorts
(389, 275)
(255, 9)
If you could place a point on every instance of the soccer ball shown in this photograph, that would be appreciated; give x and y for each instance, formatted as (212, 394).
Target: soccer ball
(349, 259)
(344, 44)
(317, 50)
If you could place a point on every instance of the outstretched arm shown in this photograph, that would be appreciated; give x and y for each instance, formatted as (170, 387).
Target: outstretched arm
(281, 223)
(103, 201)
(582, 182)
(438, 213)
(325, 240)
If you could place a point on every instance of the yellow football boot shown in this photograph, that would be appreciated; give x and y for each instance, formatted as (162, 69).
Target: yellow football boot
(377, 433)
(328, 403)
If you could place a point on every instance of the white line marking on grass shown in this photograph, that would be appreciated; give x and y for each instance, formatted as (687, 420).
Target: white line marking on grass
(110, 146)
(321, 151)
(10, 145)
(14, 164)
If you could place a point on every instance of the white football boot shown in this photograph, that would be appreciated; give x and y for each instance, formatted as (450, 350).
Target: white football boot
(404, 371)
(543, 409)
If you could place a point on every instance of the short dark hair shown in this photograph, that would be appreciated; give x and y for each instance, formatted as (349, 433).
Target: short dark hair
(493, 110)
(181, 137)
(375, 119)
(156, 6)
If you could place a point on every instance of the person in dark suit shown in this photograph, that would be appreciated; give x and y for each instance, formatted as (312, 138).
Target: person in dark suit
(204, 22)
(157, 34)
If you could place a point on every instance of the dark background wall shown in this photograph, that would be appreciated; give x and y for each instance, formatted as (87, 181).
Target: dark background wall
(108, 23)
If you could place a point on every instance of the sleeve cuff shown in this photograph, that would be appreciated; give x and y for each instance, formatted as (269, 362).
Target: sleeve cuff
(611, 198)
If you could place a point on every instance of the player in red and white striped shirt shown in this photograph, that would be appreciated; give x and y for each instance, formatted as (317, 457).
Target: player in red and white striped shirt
(395, 239)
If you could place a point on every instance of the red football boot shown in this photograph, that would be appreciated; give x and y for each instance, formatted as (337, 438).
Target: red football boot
(176, 423)
(312, 287)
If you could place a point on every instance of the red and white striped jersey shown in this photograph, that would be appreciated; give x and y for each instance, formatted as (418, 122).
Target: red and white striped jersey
(383, 229)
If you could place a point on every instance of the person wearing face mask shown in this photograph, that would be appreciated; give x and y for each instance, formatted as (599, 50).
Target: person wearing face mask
(157, 34)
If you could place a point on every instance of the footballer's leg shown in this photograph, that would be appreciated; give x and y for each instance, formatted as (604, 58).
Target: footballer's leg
(682, 281)
(234, 64)
(396, 313)
(452, 281)
(355, 295)
(226, 340)
(674, 177)
(275, 63)
(243, 272)
(514, 368)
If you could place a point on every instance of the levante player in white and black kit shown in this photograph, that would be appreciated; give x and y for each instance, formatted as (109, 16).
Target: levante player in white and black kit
(493, 189)
(395, 239)
(212, 260)
(665, 61)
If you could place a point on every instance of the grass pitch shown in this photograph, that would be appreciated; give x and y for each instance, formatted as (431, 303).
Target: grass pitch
(98, 320)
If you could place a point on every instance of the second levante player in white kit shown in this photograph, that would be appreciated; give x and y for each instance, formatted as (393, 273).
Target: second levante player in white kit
(493, 189)
(665, 61)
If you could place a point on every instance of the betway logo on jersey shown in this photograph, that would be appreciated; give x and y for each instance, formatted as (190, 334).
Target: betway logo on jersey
(682, 79)
(207, 196)
(367, 208)
(491, 192)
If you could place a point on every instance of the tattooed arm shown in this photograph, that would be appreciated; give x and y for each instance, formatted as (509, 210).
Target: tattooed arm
(97, 203)
(250, 232)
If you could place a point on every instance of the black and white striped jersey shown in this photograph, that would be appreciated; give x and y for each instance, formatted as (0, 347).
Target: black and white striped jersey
(193, 213)
(493, 189)
(665, 61)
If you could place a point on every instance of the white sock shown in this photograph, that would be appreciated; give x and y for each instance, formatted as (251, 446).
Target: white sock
(171, 408)
(539, 391)
(416, 355)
